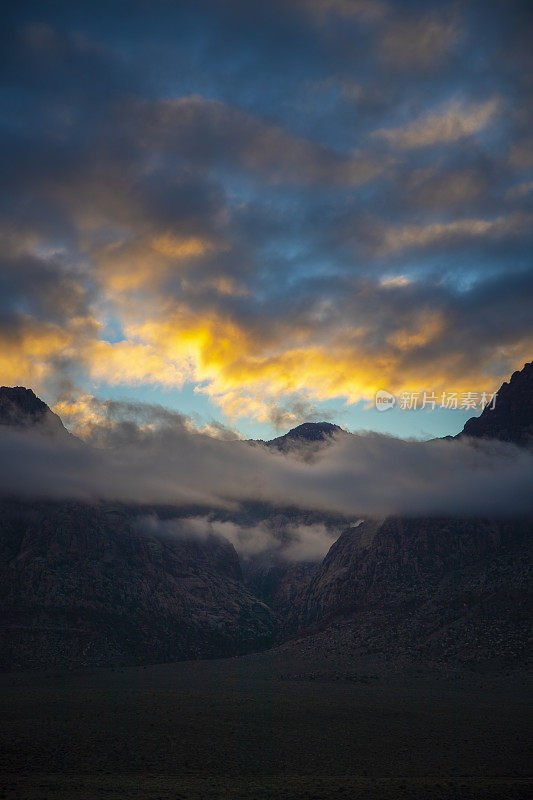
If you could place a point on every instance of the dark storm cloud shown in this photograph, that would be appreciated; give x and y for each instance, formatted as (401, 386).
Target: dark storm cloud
(293, 190)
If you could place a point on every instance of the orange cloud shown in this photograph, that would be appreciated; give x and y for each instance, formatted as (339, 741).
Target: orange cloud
(148, 259)
(246, 373)
(132, 362)
(31, 352)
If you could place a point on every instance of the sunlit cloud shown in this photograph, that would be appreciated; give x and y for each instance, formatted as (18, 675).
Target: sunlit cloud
(404, 237)
(451, 123)
(131, 362)
(194, 222)
(138, 261)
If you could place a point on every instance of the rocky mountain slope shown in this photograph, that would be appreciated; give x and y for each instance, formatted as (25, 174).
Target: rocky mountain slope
(446, 587)
(83, 584)
(439, 587)
(304, 434)
(21, 408)
(511, 419)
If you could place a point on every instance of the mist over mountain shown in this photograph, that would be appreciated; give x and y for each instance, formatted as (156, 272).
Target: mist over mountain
(21, 409)
(259, 263)
(306, 438)
(171, 544)
(354, 475)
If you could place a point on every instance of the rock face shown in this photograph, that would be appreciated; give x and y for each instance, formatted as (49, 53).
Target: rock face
(446, 586)
(306, 438)
(443, 587)
(83, 585)
(280, 585)
(21, 408)
(307, 432)
(511, 420)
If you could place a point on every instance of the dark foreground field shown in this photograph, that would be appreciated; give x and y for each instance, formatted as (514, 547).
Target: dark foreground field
(283, 724)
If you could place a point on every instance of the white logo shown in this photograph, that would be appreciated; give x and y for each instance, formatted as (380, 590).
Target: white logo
(384, 400)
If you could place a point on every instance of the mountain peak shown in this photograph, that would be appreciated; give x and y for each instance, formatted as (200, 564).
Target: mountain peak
(511, 419)
(21, 408)
(304, 433)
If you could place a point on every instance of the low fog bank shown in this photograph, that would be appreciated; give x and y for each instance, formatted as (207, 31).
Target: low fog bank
(298, 542)
(360, 475)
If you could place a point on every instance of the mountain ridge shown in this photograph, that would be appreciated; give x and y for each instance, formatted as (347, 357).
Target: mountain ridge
(21, 408)
(511, 417)
(83, 585)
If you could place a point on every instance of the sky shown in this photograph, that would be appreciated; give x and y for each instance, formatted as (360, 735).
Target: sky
(258, 214)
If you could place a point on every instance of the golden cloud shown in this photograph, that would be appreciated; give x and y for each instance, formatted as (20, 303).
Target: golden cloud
(31, 351)
(148, 259)
(247, 374)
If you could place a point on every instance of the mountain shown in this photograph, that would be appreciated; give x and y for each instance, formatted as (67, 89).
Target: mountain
(511, 419)
(305, 439)
(86, 584)
(438, 587)
(307, 432)
(279, 584)
(21, 408)
(82, 584)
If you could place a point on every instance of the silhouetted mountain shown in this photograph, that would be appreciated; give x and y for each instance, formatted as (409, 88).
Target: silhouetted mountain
(82, 584)
(511, 419)
(444, 587)
(305, 435)
(21, 408)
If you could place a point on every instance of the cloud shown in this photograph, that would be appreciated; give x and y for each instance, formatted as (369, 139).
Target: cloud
(519, 191)
(301, 542)
(134, 362)
(451, 123)
(521, 155)
(204, 131)
(419, 43)
(430, 189)
(359, 10)
(96, 419)
(366, 475)
(290, 411)
(248, 540)
(40, 353)
(407, 237)
(174, 212)
(102, 422)
(308, 543)
(275, 363)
